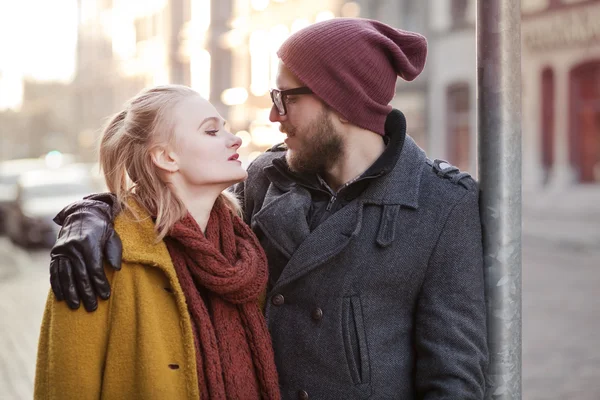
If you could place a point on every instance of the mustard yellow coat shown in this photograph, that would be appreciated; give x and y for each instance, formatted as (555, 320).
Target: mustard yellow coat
(138, 344)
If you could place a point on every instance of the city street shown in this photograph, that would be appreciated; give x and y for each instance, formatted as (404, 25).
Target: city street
(24, 287)
(508, 91)
(561, 318)
(561, 322)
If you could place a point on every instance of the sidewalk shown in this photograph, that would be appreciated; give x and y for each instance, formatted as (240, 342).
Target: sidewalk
(570, 217)
(24, 287)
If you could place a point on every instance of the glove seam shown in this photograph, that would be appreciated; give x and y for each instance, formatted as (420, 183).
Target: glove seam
(97, 210)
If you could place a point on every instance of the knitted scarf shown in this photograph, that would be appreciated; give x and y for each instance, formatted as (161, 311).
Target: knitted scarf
(222, 275)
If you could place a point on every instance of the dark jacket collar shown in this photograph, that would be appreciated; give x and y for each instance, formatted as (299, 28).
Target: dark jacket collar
(395, 135)
(401, 185)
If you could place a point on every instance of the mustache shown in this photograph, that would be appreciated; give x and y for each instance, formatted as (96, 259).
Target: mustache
(287, 130)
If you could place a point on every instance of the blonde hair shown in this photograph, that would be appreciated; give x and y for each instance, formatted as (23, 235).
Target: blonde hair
(129, 172)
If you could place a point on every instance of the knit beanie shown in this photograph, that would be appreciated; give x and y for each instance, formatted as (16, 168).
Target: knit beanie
(352, 65)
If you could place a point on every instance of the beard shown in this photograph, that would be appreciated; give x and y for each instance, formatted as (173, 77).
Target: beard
(320, 146)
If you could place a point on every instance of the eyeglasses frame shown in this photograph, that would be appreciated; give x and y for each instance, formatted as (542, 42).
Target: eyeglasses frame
(284, 93)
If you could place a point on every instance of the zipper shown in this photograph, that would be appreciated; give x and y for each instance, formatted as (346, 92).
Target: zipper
(335, 194)
(330, 204)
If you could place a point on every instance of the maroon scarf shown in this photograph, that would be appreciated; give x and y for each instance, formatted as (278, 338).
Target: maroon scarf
(222, 276)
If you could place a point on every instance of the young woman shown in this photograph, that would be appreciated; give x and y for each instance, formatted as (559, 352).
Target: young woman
(184, 319)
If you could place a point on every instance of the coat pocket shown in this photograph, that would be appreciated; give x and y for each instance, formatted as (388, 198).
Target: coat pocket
(355, 341)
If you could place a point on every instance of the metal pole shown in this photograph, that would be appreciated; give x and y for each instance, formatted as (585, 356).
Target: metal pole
(499, 163)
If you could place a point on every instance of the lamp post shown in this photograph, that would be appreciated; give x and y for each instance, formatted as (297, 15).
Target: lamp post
(499, 167)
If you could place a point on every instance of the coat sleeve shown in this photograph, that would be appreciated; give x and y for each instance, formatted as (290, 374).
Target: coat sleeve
(451, 334)
(72, 350)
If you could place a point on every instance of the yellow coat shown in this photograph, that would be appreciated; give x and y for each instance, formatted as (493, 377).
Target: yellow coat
(137, 345)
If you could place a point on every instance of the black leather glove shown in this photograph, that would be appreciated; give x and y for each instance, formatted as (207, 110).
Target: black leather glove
(76, 260)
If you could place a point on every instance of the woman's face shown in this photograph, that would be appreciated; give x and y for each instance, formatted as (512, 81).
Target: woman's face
(204, 149)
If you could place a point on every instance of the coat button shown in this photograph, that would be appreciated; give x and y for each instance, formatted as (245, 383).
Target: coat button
(277, 300)
(317, 314)
(302, 395)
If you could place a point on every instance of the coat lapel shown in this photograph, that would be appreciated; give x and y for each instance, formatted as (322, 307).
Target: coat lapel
(325, 242)
(283, 219)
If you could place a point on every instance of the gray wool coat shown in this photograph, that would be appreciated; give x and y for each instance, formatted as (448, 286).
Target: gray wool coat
(385, 298)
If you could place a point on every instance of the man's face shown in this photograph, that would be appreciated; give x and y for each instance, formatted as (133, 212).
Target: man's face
(313, 142)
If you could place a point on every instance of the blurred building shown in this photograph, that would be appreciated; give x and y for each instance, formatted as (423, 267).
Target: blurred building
(124, 46)
(127, 45)
(452, 82)
(43, 122)
(100, 85)
(561, 88)
(11, 124)
(226, 50)
(561, 91)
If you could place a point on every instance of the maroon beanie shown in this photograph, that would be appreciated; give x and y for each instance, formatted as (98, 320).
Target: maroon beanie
(352, 65)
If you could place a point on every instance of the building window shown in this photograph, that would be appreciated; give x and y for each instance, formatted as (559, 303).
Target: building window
(458, 12)
(585, 121)
(458, 114)
(547, 123)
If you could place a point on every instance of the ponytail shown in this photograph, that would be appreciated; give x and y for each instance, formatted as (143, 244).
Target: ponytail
(113, 155)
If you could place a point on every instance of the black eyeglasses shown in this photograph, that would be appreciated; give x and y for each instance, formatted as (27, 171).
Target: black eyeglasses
(278, 97)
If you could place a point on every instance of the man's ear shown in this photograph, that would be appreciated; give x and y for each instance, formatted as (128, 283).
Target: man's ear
(164, 159)
(340, 122)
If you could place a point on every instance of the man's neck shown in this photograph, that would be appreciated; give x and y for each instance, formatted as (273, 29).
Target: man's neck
(361, 149)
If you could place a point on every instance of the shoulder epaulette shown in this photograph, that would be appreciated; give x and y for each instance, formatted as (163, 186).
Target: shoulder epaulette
(445, 170)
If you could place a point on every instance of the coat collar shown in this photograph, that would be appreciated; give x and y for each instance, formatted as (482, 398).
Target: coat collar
(401, 185)
(139, 238)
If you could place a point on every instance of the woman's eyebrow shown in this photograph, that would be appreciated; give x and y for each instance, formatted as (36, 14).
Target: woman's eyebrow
(205, 120)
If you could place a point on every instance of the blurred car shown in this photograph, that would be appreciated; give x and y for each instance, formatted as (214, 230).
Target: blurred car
(96, 176)
(10, 171)
(41, 194)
